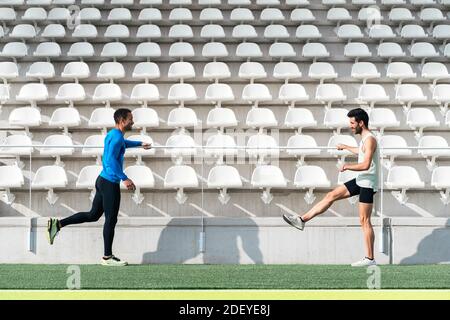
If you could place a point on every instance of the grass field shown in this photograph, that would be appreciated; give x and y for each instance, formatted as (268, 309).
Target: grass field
(21, 276)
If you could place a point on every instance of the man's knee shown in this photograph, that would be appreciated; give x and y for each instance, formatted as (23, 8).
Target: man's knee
(365, 221)
(331, 196)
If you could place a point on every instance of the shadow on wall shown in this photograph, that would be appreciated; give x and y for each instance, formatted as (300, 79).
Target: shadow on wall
(231, 244)
(434, 248)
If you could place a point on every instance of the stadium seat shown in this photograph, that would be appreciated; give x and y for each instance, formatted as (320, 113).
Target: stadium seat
(441, 32)
(142, 177)
(150, 15)
(58, 14)
(413, 32)
(57, 140)
(255, 93)
(102, 118)
(382, 118)
(214, 50)
(407, 94)
(144, 118)
(64, 118)
(181, 32)
(106, 93)
(180, 177)
(267, 177)
(423, 50)
(357, 50)
(180, 14)
(431, 15)
(392, 146)
(181, 71)
(144, 93)
(41, 71)
(10, 177)
(220, 145)
(54, 31)
(290, 93)
(243, 32)
(14, 50)
(260, 146)
(217, 93)
(89, 14)
(17, 139)
(32, 93)
(119, 14)
(85, 31)
(50, 178)
(182, 117)
(340, 139)
(308, 32)
(93, 146)
(281, 50)
(48, 50)
(182, 92)
(404, 178)
(271, 15)
(23, 31)
(251, 71)
(221, 117)
(216, 71)
(146, 71)
(299, 118)
(76, 71)
(148, 31)
(322, 71)
(212, 32)
(420, 118)
(435, 71)
(8, 71)
(81, 50)
(70, 92)
(364, 71)
(390, 50)
(211, 15)
(381, 32)
(336, 118)
(440, 179)
(87, 177)
(261, 118)
(224, 177)
(338, 15)
(248, 50)
(181, 50)
(310, 177)
(400, 71)
(301, 142)
(25, 117)
(286, 71)
(114, 50)
(241, 15)
(328, 93)
(371, 94)
(349, 32)
(117, 31)
(433, 141)
(275, 32)
(441, 95)
(302, 15)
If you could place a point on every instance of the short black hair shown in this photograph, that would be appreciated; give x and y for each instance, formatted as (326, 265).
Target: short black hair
(359, 115)
(120, 114)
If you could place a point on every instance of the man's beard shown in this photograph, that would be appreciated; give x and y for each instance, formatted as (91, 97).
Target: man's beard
(358, 130)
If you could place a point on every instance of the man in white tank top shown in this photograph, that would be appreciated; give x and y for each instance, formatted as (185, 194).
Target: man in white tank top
(365, 184)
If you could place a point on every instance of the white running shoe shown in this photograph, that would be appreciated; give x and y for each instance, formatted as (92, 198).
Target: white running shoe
(294, 221)
(364, 263)
(113, 262)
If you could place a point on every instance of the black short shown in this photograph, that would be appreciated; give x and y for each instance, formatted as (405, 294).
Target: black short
(365, 194)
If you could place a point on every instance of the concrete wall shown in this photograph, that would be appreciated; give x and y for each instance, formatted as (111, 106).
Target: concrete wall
(228, 241)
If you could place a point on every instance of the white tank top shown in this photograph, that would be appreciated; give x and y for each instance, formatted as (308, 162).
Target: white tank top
(369, 177)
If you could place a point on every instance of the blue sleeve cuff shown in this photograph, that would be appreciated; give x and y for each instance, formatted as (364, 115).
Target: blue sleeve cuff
(131, 143)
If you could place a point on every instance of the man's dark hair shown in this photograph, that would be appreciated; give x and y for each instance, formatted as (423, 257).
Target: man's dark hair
(120, 114)
(359, 115)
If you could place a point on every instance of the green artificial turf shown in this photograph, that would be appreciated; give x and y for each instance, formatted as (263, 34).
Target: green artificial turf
(28, 276)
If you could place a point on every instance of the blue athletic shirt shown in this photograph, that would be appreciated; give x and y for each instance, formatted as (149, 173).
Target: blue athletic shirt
(113, 152)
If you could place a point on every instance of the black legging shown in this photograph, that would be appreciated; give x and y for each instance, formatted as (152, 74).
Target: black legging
(107, 199)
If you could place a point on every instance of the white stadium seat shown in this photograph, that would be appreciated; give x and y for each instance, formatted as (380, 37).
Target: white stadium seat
(142, 177)
(57, 140)
(87, 177)
(404, 178)
(302, 142)
(50, 177)
(224, 177)
(64, 118)
(266, 177)
(419, 119)
(221, 117)
(440, 180)
(180, 177)
(311, 177)
(433, 141)
(10, 177)
(382, 118)
(299, 118)
(396, 146)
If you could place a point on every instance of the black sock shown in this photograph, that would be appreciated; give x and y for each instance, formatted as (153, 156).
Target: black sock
(302, 219)
(369, 258)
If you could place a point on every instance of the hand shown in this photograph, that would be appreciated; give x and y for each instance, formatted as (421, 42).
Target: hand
(129, 184)
(341, 146)
(146, 146)
(343, 168)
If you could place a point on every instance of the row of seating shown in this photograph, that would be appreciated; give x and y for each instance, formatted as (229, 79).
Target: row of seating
(221, 145)
(217, 93)
(397, 71)
(229, 2)
(248, 50)
(238, 15)
(307, 32)
(222, 177)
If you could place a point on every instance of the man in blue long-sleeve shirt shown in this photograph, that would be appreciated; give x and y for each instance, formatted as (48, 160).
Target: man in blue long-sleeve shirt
(107, 186)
